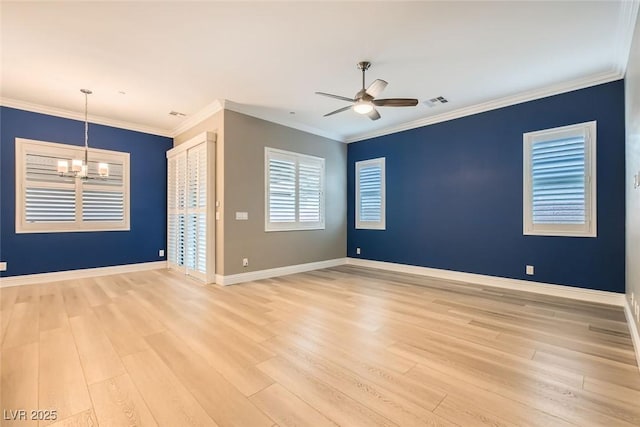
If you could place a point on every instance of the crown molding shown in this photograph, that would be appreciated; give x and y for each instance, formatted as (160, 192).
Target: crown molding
(219, 105)
(193, 119)
(68, 114)
(626, 26)
(265, 115)
(493, 104)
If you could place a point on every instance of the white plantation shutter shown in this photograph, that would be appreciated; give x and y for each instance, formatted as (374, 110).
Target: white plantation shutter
(48, 197)
(48, 202)
(104, 199)
(190, 230)
(370, 194)
(294, 197)
(102, 205)
(196, 239)
(176, 203)
(559, 188)
(310, 190)
(282, 190)
(557, 171)
(50, 205)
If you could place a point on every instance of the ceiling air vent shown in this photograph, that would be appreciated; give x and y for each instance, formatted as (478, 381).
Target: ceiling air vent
(433, 102)
(176, 113)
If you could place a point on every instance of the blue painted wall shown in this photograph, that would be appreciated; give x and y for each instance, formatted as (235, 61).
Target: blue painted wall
(47, 252)
(454, 194)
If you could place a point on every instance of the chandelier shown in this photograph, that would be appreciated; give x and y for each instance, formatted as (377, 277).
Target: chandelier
(80, 168)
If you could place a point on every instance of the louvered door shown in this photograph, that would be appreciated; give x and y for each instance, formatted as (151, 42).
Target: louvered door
(190, 202)
(196, 237)
(176, 204)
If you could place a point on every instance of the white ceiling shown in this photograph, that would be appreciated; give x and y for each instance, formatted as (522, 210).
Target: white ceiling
(268, 58)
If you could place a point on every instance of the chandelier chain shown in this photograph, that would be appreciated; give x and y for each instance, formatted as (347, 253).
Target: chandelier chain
(86, 128)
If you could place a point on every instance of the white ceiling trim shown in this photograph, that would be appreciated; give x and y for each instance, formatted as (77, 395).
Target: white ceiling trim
(218, 105)
(494, 104)
(626, 26)
(200, 116)
(67, 114)
(254, 112)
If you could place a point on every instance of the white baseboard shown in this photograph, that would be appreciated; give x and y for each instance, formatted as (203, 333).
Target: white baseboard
(633, 329)
(603, 297)
(56, 276)
(275, 272)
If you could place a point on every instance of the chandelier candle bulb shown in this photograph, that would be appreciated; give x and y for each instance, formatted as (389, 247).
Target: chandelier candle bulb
(76, 165)
(63, 166)
(103, 169)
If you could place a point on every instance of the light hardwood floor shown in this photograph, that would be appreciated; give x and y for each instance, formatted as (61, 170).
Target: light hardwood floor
(344, 346)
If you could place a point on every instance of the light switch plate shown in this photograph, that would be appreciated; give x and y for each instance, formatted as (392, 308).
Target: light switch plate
(217, 216)
(242, 216)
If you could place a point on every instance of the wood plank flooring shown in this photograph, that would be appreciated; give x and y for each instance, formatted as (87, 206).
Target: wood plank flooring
(345, 346)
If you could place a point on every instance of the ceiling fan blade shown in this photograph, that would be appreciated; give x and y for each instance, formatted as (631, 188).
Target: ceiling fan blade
(376, 87)
(339, 110)
(396, 102)
(342, 98)
(373, 114)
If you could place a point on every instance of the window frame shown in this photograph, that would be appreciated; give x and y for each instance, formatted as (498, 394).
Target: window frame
(589, 228)
(270, 153)
(372, 225)
(29, 146)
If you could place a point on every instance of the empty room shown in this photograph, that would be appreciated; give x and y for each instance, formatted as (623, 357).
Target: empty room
(305, 213)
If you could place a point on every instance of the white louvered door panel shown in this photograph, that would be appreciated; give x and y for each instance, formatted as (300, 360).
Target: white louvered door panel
(176, 205)
(196, 240)
(190, 202)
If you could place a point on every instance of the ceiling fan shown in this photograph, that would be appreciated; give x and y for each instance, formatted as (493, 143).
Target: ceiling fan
(364, 102)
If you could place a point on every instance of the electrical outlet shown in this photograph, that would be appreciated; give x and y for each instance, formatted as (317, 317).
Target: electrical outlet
(161, 252)
(3, 266)
(357, 251)
(529, 270)
(245, 262)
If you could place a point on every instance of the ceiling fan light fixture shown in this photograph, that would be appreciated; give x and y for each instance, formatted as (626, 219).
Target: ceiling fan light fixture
(362, 107)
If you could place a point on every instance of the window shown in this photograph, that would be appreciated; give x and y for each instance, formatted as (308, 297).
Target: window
(47, 202)
(294, 198)
(370, 194)
(560, 181)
